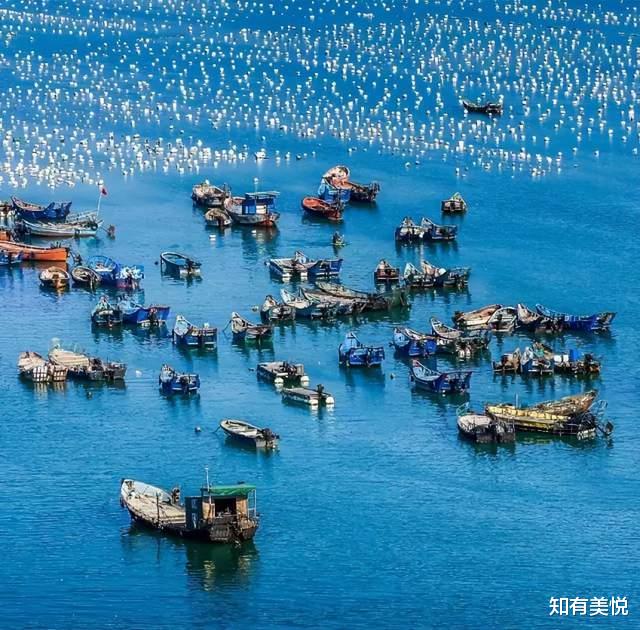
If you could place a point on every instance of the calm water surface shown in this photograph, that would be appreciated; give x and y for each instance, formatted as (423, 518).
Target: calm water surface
(373, 513)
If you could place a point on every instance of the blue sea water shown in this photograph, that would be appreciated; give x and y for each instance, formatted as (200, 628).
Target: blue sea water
(375, 512)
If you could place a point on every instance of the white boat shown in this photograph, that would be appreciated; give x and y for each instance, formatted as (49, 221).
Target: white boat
(249, 434)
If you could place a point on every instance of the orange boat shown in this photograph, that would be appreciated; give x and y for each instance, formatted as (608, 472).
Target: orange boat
(32, 252)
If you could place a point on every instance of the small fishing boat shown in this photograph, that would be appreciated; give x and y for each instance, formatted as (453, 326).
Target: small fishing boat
(80, 229)
(172, 382)
(313, 398)
(533, 362)
(254, 209)
(439, 277)
(408, 231)
(208, 195)
(8, 259)
(35, 368)
(386, 273)
(363, 193)
(106, 314)
(179, 264)
(573, 362)
(482, 429)
(321, 209)
(84, 367)
(85, 277)
(341, 305)
(582, 323)
(217, 217)
(503, 320)
(439, 382)
(334, 185)
(477, 319)
(279, 372)
(302, 267)
(454, 205)
(337, 240)
(54, 253)
(186, 334)
(397, 297)
(577, 415)
(353, 353)
(489, 108)
(112, 273)
(434, 232)
(274, 311)
(412, 343)
(306, 308)
(54, 278)
(534, 322)
(244, 330)
(219, 514)
(139, 315)
(463, 343)
(509, 362)
(417, 280)
(249, 434)
(35, 212)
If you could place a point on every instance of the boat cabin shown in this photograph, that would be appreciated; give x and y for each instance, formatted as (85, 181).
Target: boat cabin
(218, 503)
(259, 202)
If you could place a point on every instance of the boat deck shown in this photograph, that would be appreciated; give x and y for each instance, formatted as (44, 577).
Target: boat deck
(147, 507)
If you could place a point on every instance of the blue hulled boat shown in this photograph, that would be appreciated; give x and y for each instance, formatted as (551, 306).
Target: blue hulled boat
(106, 314)
(440, 382)
(409, 231)
(412, 343)
(7, 259)
(186, 334)
(180, 264)
(172, 382)
(333, 194)
(302, 267)
(114, 274)
(35, 212)
(139, 315)
(254, 209)
(580, 323)
(354, 353)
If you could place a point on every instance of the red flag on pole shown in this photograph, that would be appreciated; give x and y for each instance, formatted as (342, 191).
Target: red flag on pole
(103, 191)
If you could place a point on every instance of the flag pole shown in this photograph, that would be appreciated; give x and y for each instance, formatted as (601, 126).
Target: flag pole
(99, 196)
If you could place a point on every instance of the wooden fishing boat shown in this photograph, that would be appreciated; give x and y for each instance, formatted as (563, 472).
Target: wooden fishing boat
(209, 195)
(112, 273)
(9, 259)
(408, 231)
(306, 308)
(186, 334)
(509, 362)
(54, 253)
(434, 232)
(453, 278)
(85, 277)
(279, 372)
(582, 323)
(482, 429)
(397, 297)
(573, 362)
(217, 217)
(533, 362)
(440, 382)
(106, 314)
(477, 319)
(78, 229)
(302, 267)
(246, 433)
(220, 514)
(139, 315)
(572, 415)
(534, 322)
(464, 343)
(454, 205)
(84, 367)
(341, 306)
(412, 343)
(244, 330)
(274, 311)
(35, 368)
(384, 272)
(334, 185)
(254, 209)
(54, 278)
(416, 280)
(321, 209)
(353, 353)
(337, 240)
(489, 108)
(363, 193)
(313, 398)
(36, 212)
(172, 382)
(503, 320)
(180, 264)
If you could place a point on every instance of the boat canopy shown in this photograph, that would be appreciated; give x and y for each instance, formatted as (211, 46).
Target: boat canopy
(258, 202)
(240, 490)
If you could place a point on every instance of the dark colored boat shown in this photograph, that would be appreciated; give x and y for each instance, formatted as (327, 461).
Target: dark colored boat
(84, 367)
(244, 330)
(353, 353)
(373, 301)
(581, 323)
(440, 382)
(54, 278)
(531, 362)
(208, 195)
(274, 311)
(532, 321)
(112, 273)
(463, 344)
(321, 209)
(172, 382)
(217, 217)
(412, 343)
(139, 315)
(36, 212)
(490, 108)
(180, 264)
(280, 372)
(313, 398)
(408, 231)
(431, 276)
(454, 205)
(186, 334)
(573, 362)
(386, 273)
(301, 267)
(106, 314)
(482, 429)
(308, 308)
(249, 434)
(220, 514)
(85, 277)
(254, 209)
